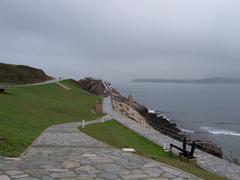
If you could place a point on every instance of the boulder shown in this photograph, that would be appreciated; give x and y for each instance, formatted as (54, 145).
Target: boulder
(93, 86)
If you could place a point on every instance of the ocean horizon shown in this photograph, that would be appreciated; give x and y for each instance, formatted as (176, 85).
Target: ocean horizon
(207, 111)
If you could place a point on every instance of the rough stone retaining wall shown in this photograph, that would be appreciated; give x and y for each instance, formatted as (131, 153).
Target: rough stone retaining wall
(128, 111)
(207, 161)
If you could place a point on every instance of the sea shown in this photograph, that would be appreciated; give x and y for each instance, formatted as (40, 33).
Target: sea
(207, 111)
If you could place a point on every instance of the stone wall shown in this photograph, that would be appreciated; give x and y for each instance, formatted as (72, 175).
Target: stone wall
(128, 111)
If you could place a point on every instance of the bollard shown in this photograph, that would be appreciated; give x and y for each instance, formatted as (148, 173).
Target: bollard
(164, 146)
(83, 124)
(102, 120)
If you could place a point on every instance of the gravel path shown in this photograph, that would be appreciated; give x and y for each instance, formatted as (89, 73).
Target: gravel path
(63, 152)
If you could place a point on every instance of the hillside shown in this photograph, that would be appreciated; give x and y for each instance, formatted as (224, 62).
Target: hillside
(21, 74)
(27, 111)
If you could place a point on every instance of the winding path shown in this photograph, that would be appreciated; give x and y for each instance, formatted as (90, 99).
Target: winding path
(63, 152)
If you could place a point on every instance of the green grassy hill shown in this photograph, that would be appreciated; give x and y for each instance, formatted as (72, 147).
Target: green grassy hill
(20, 74)
(26, 111)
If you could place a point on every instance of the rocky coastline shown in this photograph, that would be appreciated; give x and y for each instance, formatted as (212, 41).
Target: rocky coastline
(135, 111)
(130, 108)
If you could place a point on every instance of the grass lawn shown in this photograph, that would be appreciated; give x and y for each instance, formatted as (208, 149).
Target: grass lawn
(26, 111)
(117, 135)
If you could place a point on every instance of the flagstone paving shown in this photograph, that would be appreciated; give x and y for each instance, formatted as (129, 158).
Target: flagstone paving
(63, 152)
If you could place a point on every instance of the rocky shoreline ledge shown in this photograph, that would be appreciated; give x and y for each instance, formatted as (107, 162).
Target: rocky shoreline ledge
(141, 114)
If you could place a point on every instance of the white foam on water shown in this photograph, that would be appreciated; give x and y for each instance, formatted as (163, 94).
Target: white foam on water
(159, 115)
(219, 131)
(168, 119)
(151, 111)
(186, 130)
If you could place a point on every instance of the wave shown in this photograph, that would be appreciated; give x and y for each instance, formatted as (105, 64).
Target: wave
(186, 130)
(159, 114)
(151, 111)
(219, 131)
(164, 117)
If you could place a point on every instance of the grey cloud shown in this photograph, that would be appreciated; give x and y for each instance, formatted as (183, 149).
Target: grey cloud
(131, 38)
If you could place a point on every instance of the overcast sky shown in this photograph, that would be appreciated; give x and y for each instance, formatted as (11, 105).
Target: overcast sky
(123, 39)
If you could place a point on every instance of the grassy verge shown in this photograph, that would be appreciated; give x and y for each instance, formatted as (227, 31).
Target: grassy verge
(117, 135)
(26, 111)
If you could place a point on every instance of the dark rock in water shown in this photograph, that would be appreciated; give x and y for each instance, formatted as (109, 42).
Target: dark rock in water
(170, 129)
(210, 148)
(162, 124)
(150, 117)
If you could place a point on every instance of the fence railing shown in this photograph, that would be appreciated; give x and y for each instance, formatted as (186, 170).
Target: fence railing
(204, 146)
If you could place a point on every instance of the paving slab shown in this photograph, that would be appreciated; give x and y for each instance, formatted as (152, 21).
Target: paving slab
(63, 152)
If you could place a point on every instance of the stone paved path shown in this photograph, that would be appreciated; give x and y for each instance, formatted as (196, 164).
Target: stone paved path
(63, 152)
(205, 160)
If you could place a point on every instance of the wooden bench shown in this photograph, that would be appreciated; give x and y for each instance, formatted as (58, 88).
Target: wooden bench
(184, 153)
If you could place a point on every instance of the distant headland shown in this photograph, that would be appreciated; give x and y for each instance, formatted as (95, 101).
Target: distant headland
(215, 80)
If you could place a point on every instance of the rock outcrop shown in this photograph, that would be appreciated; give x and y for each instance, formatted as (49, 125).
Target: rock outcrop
(95, 86)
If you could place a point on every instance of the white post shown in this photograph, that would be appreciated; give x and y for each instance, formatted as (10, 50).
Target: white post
(164, 147)
(102, 120)
(83, 124)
